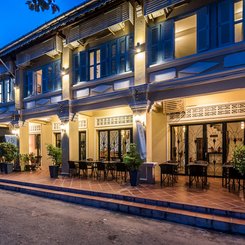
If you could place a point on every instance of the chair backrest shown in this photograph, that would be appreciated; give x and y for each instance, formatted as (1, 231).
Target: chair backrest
(83, 165)
(121, 167)
(71, 164)
(100, 166)
(196, 170)
(90, 159)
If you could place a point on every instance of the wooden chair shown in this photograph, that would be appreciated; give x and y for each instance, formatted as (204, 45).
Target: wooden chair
(83, 166)
(101, 168)
(121, 171)
(72, 168)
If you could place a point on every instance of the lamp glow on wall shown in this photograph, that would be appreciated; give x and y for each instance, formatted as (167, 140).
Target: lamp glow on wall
(15, 131)
(63, 127)
(242, 125)
(64, 71)
(140, 118)
(140, 47)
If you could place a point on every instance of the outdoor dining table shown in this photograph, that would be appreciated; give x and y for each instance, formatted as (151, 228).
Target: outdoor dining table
(197, 172)
(169, 172)
(91, 164)
(110, 167)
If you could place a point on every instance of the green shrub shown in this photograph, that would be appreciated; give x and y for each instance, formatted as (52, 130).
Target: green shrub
(239, 158)
(132, 158)
(8, 152)
(55, 154)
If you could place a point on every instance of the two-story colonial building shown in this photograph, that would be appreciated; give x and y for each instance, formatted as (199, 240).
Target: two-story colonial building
(93, 79)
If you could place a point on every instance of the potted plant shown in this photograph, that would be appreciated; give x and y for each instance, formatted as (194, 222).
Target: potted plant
(24, 161)
(8, 153)
(239, 159)
(55, 155)
(133, 161)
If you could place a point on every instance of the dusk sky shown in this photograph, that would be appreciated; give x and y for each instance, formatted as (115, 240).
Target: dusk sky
(17, 20)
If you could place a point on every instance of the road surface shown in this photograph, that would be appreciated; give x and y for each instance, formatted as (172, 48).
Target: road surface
(32, 220)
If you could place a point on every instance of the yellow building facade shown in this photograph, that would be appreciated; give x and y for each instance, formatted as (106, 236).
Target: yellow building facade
(92, 80)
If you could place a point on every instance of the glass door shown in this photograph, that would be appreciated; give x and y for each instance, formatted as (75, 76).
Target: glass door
(113, 144)
(178, 146)
(35, 144)
(215, 148)
(234, 137)
(196, 143)
(82, 145)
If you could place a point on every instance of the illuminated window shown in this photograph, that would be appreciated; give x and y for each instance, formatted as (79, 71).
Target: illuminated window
(37, 88)
(185, 36)
(238, 18)
(94, 64)
(8, 91)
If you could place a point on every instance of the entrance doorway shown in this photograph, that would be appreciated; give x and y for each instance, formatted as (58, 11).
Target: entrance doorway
(82, 145)
(212, 142)
(35, 144)
(114, 143)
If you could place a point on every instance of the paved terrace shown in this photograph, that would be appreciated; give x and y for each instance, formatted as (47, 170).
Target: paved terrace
(215, 196)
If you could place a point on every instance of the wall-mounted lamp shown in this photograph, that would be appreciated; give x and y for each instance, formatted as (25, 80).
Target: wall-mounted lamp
(15, 131)
(242, 125)
(140, 47)
(62, 127)
(64, 71)
(141, 118)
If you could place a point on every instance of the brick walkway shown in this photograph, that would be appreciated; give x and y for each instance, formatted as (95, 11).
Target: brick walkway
(215, 196)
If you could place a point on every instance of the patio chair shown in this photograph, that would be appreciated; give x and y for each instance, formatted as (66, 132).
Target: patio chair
(101, 168)
(121, 171)
(72, 168)
(197, 174)
(168, 173)
(83, 166)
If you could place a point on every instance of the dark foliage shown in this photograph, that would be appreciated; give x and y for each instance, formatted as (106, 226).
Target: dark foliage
(37, 5)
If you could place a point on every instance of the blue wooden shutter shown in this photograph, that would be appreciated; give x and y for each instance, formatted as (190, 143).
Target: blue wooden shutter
(76, 68)
(225, 22)
(154, 44)
(113, 57)
(129, 52)
(122, 54)
(103, 60)
(56, 74)
(28, 83)
(203, 29)
(168, 39)
(83, 66)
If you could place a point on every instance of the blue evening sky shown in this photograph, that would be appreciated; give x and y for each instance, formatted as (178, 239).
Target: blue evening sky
(17, 20)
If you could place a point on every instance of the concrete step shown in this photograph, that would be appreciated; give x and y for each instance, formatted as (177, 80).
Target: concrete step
(207, 221)
(160, 203)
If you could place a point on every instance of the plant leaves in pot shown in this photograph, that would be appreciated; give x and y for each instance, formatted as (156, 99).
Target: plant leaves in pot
(133, 161)
(55, 154)
(8, 153)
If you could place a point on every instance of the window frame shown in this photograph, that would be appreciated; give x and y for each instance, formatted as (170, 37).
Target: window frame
(50, 81)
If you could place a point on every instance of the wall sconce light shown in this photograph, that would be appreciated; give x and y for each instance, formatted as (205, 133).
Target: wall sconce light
(62, 127)
(140, 47)
(141, 119)
(184, 128)
(15, 131)
(242, 125)
(64, 71)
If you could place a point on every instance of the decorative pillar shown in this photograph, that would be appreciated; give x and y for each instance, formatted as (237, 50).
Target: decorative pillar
(65, 117)
(139, 43)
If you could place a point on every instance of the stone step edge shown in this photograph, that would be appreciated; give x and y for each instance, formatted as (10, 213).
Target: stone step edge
(206, 221)
(160, 203)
